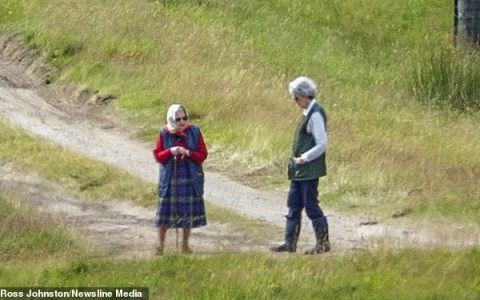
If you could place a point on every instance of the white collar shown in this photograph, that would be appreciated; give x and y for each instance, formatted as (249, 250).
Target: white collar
(307, 110)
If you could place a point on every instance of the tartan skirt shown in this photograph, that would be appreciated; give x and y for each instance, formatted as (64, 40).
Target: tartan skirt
(181, 208)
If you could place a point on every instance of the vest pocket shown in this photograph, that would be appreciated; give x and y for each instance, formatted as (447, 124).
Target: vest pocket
(164, 179)
(291, 169)
(198, 179)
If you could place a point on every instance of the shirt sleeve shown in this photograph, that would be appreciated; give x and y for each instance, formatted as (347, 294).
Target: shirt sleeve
(201, 153)
(160, 154)
(316, 126)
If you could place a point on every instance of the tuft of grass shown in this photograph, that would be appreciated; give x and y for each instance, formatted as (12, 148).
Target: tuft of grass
(449, 79)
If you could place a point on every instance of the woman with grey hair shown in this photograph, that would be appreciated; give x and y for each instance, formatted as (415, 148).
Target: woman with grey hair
(180, 150)
(306, 166)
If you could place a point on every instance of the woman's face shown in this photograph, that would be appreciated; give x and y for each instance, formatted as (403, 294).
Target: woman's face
(180, 120)
(302, 101)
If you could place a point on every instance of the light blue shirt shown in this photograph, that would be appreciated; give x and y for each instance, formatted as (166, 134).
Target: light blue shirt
(315, 126)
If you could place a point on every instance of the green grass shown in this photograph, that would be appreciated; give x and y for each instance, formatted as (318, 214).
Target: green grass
(26, 234)
(449, 79)
(380, 275)
(229, 62)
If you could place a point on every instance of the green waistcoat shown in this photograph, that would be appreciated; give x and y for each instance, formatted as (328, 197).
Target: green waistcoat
(304, 141)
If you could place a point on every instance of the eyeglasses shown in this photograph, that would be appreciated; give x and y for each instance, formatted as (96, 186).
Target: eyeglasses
(180, 119)
(296, 98)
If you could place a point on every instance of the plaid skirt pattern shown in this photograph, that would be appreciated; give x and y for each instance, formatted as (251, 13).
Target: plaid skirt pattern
(181, 209)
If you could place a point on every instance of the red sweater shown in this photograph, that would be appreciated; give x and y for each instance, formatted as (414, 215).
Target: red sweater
(162, 155)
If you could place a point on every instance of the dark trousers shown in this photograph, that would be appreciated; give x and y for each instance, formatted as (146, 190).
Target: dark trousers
(304, 194)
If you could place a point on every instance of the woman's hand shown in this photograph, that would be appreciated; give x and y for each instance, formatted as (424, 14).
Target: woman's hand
(187, 152)
(184, 151)
(298, 160)
(177, 150)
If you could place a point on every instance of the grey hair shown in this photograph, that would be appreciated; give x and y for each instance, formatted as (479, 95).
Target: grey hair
(302, 86)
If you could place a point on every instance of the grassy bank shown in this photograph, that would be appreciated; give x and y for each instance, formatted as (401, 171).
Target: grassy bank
(230, 62)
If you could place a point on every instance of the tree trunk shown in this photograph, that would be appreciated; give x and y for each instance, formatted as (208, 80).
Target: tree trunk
(467, 23)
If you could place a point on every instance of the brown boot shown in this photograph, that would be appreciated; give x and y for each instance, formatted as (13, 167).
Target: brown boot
(319, 248)
(320, 227)
(322, 245)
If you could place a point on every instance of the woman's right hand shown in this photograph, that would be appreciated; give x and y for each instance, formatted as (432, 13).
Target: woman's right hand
(175, 150)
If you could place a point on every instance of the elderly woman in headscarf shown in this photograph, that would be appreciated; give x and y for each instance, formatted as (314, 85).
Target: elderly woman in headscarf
(180, 150)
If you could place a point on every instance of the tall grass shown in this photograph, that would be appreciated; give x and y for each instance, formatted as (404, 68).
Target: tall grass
(229, 62)
(449, 79)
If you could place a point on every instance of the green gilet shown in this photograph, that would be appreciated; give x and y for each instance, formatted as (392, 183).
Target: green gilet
(304, 141)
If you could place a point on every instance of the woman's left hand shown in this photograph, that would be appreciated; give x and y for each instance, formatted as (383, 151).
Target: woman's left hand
(184, 151)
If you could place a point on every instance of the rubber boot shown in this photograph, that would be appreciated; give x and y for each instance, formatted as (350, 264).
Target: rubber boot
(292, 233)
(320, 227)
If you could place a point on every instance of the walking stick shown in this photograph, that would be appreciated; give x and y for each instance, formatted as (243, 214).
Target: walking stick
(174, 203)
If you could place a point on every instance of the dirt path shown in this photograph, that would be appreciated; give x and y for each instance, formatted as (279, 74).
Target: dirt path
(68, 117)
